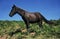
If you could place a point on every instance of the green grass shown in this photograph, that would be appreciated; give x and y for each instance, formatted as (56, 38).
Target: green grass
(9, 27)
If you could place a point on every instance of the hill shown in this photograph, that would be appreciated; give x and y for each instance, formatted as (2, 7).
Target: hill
(17, 30)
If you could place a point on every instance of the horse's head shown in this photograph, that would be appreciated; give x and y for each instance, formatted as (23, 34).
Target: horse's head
(13, 11)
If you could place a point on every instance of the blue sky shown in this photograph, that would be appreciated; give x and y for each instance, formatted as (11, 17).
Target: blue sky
(50, 9)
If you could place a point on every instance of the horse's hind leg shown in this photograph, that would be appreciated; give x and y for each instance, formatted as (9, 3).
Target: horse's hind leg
(40, 24)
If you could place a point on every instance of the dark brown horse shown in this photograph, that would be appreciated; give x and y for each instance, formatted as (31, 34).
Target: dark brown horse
(29, 17)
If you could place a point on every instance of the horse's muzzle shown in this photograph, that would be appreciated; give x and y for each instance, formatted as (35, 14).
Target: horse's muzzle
(10, 15)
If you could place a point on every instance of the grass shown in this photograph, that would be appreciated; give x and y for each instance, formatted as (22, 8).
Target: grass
(17, 30)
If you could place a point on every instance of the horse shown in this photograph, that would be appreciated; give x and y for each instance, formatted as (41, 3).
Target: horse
(29, 17)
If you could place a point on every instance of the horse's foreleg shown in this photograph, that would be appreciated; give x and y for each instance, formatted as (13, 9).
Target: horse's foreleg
(27, 25)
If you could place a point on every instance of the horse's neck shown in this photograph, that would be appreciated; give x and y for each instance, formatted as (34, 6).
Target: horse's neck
(21, 13)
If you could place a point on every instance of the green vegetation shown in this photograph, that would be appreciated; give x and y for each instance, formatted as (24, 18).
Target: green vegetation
(17, 30)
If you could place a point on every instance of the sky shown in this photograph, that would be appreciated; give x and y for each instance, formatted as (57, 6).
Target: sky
(50, 9)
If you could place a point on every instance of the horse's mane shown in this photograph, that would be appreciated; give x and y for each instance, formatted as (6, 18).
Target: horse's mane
(19, 8)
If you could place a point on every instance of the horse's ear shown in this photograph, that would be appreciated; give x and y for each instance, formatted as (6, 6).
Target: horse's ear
(14, 5)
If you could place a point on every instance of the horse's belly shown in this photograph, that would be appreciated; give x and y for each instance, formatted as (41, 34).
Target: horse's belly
(33, 21)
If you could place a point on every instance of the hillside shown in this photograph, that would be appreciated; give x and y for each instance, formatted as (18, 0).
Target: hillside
(17, 30)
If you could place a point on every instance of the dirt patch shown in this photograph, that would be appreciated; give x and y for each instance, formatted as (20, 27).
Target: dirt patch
(4, 36)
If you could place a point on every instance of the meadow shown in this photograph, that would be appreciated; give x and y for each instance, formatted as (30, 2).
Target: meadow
(17, 30)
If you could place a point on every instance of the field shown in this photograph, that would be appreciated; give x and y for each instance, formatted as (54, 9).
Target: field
(17, 30)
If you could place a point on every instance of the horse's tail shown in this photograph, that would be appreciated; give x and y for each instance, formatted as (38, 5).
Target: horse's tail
(47, 21)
